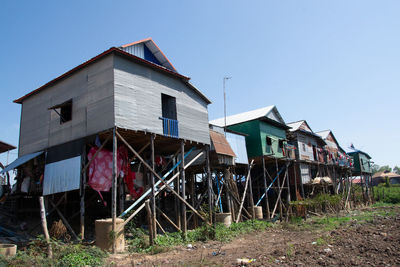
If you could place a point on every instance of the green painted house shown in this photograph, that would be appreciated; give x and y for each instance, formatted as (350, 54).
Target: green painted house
(264, 128)
(362, 159)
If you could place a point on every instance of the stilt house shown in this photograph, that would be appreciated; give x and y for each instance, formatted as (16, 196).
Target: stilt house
(308, 150)
(131, 95)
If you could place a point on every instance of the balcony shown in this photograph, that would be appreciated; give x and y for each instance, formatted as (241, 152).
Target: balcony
(170, 127)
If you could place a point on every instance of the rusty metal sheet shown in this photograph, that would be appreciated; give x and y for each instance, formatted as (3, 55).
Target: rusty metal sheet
(220, 144)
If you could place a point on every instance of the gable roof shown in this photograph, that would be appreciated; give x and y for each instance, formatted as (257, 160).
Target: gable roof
(324, 135)
(360, 152)
(270, 112)
(117, 51)
(154, 49)
(299, 125)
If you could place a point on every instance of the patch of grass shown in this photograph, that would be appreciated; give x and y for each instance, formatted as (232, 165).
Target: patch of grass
(387, 193)
(204, 233)
(63, 255)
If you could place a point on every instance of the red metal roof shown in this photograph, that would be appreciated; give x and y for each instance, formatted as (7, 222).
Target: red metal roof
(94, 59)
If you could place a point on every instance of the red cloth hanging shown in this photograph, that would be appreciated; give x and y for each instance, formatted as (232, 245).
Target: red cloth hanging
(100, 169)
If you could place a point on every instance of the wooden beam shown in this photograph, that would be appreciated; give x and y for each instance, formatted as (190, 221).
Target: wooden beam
(149, 221)
(244, 192)
(210, 186)
(153, 188)
(114, 189)
(160, 190)
(183, 181)
(64, 220)
(44, 225)
(82, 195)
(168, 219)
(265, 189)
(158, 177)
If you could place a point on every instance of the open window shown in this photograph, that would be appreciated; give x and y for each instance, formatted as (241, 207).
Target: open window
(269, 141)
(280, 143)
(168, 107)
(64, 110)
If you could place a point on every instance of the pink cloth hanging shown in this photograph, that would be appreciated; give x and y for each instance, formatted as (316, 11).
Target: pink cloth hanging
(100, 169)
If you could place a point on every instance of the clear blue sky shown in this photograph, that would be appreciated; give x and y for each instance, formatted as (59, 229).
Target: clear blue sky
(334, 63)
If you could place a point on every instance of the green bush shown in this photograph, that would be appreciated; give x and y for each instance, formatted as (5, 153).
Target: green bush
(387, 193)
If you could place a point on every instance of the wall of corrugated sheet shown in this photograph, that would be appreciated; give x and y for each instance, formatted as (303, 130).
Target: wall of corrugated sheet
(238, 145)
(136, 50)
(138, 101)
(91, 90)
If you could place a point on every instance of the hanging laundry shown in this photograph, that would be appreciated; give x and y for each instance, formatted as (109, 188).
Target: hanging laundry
(100, 169)
(160, 161)
(129, 180)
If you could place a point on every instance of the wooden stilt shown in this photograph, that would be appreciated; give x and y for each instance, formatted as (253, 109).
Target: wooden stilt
(153, 196)
(279, 188)
(166, 184)
(279, 197)
(177, 203)
(244, 192)
(251, 199)
(44, 225)
(82, 194)
(149, 221)
(183, 180)
(114, 190)
(288, 191)
(295, 180)
(265, 189)
(210, 187)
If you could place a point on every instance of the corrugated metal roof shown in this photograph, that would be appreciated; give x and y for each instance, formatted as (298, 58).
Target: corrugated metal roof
(19, 161)
(152, 46)
(5, 147)
(324, 134)
(270, 112)
(220, 144)
(295, 125)
(185, 79)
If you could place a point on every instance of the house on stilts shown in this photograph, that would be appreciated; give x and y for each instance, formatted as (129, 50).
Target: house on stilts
(268, 151)
(97, 140)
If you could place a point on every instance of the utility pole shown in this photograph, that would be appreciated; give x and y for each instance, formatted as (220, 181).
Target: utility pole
(224, 80)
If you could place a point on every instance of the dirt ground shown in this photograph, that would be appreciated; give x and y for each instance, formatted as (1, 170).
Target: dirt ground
(364, 242)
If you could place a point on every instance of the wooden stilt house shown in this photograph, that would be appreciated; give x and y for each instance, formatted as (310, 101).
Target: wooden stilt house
(266, 143)
(128, 97)
(308, 152)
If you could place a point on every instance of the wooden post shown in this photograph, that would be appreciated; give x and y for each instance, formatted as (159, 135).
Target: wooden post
(177, 203)
(194, 197)
(251, 202)
(82, 194)
(301, 181)
(209, 182)
(44, 225)
(244, 193)
(265, 189)
(288, 191)
(279, 188)
(114, 190)
(153, 188)
(149, 221)
(183, 181)
(64, 220)
(295, 179)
